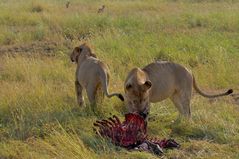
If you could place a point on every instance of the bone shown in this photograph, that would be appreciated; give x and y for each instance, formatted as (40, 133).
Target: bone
(117, 119)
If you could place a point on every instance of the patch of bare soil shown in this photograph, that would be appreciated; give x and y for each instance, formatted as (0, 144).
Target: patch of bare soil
(47, 48)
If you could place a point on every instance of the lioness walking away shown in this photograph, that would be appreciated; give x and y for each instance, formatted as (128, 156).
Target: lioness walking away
(158, 81)
(91, 74)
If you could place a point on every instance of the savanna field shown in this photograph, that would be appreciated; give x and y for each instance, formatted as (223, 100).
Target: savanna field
(39, 115)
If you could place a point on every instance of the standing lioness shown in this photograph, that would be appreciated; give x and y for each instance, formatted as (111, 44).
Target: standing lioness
(158, 81)
(91, 74)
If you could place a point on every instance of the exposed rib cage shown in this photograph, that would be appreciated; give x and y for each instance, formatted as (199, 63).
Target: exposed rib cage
(131, 133)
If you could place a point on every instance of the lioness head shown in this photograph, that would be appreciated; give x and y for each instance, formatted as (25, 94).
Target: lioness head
(82, 50)
(137, 86)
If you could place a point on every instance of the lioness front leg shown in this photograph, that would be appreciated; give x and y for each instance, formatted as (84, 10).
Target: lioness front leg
(80, 98)
(91, 94)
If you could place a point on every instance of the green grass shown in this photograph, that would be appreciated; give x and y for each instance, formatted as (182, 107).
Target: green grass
(39, 116)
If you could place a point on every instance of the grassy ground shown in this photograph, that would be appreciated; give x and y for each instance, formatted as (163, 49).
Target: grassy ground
(39, 117)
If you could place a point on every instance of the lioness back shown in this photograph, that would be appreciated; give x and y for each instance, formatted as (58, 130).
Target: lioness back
(166, 78)
(90, 70)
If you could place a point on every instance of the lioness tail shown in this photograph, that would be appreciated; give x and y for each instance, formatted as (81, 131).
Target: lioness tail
(210, 95)
(104, 78)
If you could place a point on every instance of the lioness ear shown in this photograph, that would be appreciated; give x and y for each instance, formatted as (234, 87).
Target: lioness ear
(77, 49)
(75, 54)
(147, 85)
(128, 86)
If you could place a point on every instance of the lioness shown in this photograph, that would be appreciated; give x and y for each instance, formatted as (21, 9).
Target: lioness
(91, 74)
(158, 81)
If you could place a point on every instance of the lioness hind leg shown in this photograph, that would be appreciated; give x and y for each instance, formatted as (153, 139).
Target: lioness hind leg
(178, 103)
(182, 103)
(91, 94)
(99, 94)
(80, 98)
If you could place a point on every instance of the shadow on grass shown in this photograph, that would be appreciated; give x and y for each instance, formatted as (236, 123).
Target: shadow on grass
(98, 144)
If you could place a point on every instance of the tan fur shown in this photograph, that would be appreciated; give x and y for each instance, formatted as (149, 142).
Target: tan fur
(101, 10)
(158, 81)
(91, 74)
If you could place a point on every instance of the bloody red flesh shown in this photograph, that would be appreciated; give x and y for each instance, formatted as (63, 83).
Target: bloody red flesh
(129, 134)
